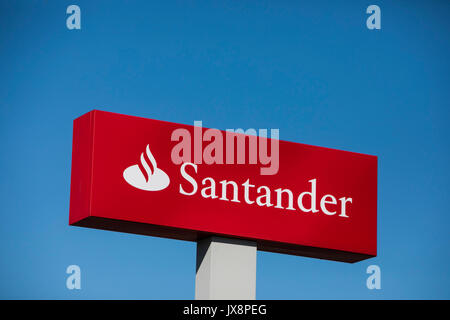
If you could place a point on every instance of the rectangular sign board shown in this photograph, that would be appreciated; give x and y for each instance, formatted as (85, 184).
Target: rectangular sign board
(320, 203)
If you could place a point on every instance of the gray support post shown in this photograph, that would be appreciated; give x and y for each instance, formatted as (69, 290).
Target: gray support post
(226, 269)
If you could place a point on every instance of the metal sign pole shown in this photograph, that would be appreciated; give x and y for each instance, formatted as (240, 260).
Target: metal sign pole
(226, 269)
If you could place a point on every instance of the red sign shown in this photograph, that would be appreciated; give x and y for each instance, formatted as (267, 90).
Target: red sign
(149, 177)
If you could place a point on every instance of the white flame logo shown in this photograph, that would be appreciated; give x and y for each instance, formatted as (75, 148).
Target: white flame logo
(152, 179)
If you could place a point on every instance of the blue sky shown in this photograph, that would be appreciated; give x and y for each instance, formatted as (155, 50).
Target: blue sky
(310, 68)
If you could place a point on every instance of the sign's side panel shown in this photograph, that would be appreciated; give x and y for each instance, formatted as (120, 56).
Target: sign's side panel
(81, 182)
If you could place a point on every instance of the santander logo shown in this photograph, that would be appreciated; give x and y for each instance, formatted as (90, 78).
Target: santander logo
(147, 176)
(144, 176)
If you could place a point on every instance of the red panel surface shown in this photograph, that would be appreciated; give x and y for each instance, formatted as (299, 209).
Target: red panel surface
(105, 144)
